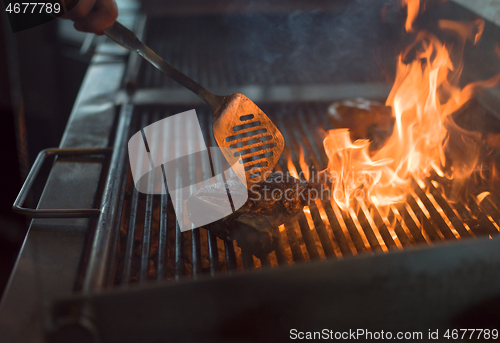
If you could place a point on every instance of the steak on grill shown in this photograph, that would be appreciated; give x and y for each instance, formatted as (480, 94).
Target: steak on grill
(365, 119)
(270, 204)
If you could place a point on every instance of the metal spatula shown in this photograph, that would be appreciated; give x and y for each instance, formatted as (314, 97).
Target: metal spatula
(240, 128)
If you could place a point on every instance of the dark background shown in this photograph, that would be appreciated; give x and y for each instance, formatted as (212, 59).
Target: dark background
(41, 70)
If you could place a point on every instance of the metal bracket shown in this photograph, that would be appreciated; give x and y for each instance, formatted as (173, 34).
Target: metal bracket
(30, 179)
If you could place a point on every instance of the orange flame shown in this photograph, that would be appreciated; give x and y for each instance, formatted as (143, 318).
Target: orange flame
(292, 170)
(303, 165)
(290, 166)
(424, 95)
(413, 7)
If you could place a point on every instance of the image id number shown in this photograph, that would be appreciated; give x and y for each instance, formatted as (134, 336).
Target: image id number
(33, 7)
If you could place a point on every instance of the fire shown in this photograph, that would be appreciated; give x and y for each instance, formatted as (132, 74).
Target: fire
(425, 93)
(292, 170)
(291, 167)
(303, 165)
(413, 8)
(304, 174)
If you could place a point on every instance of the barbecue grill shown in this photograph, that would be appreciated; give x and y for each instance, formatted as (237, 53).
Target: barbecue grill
(105, 263)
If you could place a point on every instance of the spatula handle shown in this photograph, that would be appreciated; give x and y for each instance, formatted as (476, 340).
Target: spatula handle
(127, 39)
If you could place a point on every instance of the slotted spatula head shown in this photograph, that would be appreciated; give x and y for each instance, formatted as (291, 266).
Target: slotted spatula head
(242, 129)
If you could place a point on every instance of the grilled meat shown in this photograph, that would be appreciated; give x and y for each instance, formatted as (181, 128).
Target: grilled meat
(269, 204)
(364, 118)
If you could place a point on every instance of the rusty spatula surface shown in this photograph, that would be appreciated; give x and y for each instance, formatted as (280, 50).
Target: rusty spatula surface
(240, 127)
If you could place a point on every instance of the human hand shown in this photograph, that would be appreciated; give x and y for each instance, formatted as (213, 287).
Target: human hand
(92, 15)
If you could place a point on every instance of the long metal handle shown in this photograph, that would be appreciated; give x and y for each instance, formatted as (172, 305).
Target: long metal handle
(127, 39)
(30, 179)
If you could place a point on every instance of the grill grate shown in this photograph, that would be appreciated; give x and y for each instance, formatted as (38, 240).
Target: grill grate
(255, 49)
(150, 245)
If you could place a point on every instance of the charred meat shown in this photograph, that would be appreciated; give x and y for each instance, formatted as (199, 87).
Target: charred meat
(269, 204)
(365, 119)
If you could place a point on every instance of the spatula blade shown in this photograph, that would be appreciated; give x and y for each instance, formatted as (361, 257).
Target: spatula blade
(240, 125)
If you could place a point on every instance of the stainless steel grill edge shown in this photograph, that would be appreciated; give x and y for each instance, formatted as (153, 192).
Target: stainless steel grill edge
(93, 279)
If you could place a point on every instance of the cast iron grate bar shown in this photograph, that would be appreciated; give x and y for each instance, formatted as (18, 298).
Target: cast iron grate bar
(148, 220)
(230, 253)
(152, 247)
(131, 225)
(116, 240)
(162, 238)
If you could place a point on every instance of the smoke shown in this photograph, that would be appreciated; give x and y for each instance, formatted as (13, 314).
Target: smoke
(316, 45)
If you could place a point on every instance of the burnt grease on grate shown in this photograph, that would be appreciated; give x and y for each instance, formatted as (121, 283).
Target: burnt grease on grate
(151, 247)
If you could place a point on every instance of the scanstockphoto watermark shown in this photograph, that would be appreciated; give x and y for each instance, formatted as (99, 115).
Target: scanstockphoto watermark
(371, 335)
(322, 192)
(357, 334)
(328, 177)
(323, 186)
(171, 154)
